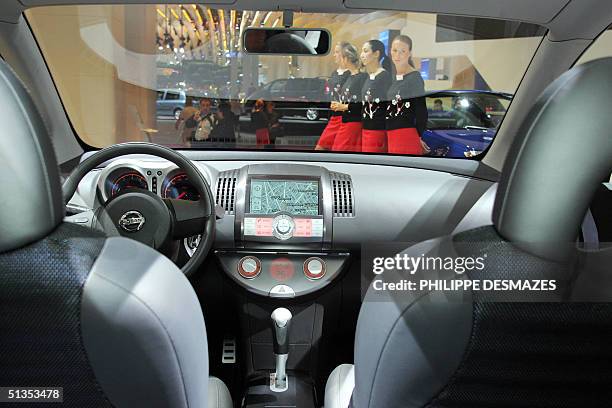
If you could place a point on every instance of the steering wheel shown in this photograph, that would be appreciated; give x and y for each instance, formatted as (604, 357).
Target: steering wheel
(144, 216)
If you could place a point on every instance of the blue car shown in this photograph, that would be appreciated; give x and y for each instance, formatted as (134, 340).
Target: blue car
(462, 123)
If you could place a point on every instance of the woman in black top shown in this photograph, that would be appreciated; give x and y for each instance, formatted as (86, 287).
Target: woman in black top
(274, 127)
(406, 111)
(374, 96)
(259, 121)
(348, 137)
(337, 80)
(223, 132)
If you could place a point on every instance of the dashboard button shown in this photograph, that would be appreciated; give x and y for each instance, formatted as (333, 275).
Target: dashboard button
(281, 269)
(282, 291)
(314, 268)
(283, 226)
(249, 267)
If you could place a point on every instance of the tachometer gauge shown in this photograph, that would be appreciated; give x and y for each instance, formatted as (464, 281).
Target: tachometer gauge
(128, 181)
(180, 188)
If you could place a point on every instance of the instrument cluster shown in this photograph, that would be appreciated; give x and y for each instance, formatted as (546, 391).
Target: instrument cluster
(169, 182)
(179, 187)
(159, 177)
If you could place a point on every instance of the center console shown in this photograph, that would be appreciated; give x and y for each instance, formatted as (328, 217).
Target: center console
(282, 258)
(283, 226)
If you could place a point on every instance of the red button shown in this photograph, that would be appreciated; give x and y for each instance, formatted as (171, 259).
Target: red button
(281, 269)
(303, 227)
(263, 227)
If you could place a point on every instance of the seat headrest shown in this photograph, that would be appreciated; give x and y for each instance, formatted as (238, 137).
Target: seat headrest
(561, 154)
(31, 203)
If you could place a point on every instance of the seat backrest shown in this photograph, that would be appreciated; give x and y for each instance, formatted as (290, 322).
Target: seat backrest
(40, 298)
(110, 320)
(31, 204)
(464, 348)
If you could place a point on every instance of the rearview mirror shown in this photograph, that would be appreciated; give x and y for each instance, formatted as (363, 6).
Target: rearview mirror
(289, 41)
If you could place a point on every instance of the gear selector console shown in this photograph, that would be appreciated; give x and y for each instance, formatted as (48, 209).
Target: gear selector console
(282, 389)
(281, 322)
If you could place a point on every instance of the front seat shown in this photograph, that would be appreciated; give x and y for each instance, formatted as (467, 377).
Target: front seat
(465, 349)
(110, 320)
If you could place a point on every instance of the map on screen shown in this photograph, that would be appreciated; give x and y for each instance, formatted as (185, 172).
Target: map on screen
(293, 196)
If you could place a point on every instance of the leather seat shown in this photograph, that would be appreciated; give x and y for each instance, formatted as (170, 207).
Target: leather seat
(339, 387)
(110, 320)
(443, 348)
(218, 394)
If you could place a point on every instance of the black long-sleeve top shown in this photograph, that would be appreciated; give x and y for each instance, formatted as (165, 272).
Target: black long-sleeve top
(336, 81)
(273, 118)
(374, 100)
(407, 108)
(351, 95)
(223, 132)
(259, 120)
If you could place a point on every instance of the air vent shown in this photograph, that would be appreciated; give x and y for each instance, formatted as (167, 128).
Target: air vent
(342, 190)
(225, 192)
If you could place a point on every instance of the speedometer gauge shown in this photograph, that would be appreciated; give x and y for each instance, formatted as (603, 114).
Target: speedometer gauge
(128, 181)
(180, 188)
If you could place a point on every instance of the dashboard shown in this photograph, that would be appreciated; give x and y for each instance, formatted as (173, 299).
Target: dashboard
(288, 229)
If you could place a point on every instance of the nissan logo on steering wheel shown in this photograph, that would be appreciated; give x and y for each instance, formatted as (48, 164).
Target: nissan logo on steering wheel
(132, 221)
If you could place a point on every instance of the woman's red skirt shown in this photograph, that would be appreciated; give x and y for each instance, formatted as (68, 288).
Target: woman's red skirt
(326, 141)
(348, 138)
(263, 136)
(374, 141)
(404, 141)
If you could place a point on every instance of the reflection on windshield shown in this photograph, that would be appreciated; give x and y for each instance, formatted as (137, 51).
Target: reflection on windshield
(393, 82)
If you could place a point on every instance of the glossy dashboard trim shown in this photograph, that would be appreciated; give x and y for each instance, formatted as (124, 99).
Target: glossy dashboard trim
(460, 167)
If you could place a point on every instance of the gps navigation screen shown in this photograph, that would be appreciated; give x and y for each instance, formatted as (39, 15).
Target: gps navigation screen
(296, 197)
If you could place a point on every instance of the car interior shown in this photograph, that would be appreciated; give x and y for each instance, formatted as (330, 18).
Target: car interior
(149, 262)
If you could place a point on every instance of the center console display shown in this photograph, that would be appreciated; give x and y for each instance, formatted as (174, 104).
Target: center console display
(296, 197)
(283, 204)
(283, 209)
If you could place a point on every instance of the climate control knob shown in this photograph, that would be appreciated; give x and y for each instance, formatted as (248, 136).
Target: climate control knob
(249, 267)
(314, 268)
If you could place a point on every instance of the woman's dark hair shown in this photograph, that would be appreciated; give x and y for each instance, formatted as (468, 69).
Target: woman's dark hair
(224, 107)
(376, 45)
(408, 41)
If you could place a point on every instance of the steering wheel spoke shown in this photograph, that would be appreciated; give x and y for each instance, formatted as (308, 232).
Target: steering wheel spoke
(87, 217)
(189, 217)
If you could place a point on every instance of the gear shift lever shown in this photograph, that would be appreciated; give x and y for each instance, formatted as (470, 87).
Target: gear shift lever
(281, 321)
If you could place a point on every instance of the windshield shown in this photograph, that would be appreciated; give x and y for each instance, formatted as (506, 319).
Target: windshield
(392, 83)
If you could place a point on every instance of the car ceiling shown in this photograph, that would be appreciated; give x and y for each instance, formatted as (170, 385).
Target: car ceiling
(565, 19)
(561, 17)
